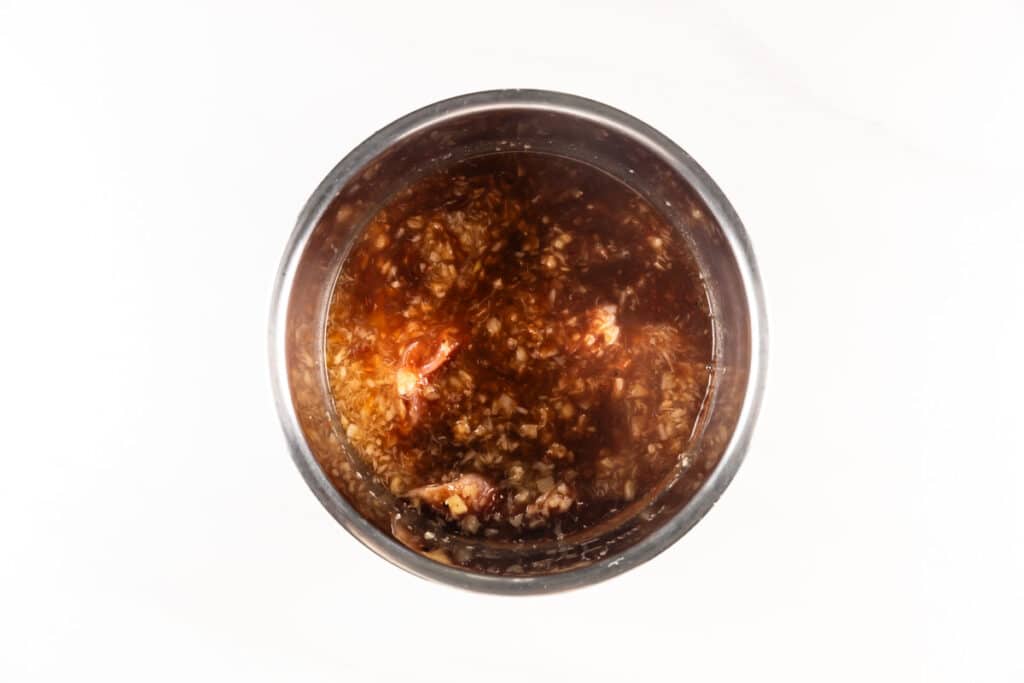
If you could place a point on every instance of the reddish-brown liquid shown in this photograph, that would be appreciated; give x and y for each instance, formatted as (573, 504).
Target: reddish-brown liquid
(519, 346)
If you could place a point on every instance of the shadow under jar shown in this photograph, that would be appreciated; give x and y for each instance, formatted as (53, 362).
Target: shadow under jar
(518, 342)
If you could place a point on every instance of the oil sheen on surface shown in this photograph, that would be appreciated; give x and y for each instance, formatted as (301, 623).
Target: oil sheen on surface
(519, 347)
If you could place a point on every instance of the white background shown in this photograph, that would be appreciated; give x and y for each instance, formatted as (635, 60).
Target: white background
(153, 158)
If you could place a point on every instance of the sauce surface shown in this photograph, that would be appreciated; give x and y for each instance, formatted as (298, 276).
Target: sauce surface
(519, 347)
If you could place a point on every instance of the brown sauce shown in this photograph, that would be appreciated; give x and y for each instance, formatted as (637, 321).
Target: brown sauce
(519, 347)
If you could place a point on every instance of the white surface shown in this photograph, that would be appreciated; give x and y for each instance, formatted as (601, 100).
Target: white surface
(152, 161)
